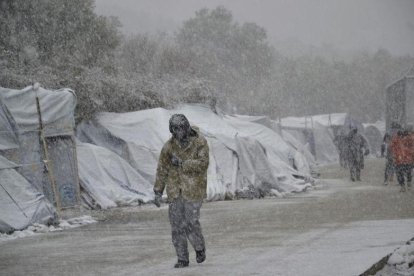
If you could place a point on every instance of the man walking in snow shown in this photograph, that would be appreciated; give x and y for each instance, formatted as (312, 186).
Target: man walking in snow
(182, 170)
(357, 148)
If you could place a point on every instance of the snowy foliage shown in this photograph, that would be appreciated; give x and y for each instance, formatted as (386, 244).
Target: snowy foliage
(65, 44)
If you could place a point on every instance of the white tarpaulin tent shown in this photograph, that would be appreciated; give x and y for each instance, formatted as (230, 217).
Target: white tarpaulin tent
(242, 154)
(20, 203)
(301, 149)
(108, 180)
(57, 112)
(315, 134)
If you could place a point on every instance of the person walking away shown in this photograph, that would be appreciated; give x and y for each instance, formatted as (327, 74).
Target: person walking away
(402, 151)
(389, 163)
(386, 151)
(357, 148)
(182, 170)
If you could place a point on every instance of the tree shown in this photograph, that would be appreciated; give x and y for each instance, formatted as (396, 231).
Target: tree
(236, 58)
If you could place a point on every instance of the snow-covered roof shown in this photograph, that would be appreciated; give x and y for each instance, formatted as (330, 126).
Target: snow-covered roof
(333, 119)
(57, 109)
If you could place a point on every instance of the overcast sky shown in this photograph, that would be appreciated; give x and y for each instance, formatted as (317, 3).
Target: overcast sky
(347, 24)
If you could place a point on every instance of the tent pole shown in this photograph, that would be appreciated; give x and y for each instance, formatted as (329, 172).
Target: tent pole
(47, 160)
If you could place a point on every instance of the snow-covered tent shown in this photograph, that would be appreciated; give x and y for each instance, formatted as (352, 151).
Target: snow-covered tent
(262, 120)
(314, 133)
(57, 112)
(21, 203)
(108, 180)
(290, 139)
(242, 154)
(374, 134)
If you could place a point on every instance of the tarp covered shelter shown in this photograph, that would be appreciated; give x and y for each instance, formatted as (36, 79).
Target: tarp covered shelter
(242, 154)
(108, 180)
(21, 203)
(288, 138)
(400, 101)
(375, 134)
(57, 112)
(315, 133)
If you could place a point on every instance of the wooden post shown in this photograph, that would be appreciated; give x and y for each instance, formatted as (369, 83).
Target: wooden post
(47, 160)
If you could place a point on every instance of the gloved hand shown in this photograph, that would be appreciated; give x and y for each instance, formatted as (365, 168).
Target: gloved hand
(366, 152)
(176, 161)
(157, 199)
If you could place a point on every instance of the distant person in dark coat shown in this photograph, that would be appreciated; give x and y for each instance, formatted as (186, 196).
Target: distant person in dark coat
(357, 148)
(386, 152)
(389, 163)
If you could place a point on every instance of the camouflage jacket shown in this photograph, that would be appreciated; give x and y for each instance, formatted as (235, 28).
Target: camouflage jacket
(191, 177)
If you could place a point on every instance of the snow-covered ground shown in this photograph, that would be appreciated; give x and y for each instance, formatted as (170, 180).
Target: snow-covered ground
(401, 261)
(339, 228)
(37, 228)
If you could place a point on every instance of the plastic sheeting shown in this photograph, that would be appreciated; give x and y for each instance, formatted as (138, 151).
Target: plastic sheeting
(22, 121)
(108, 180)
(20, 203)
(56, 106)
(316, 133)
(241, 153)
(8, 129)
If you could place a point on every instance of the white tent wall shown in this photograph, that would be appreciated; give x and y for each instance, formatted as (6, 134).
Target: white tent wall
(135, 136)
(20, 203)
(301, 147)
(326, 151)
(143, 133)
(374, 135)
(321, 131)
(57, 111)
(302, 158)
(222, 171)
(279, 152)
(108, 180)
(8, 130)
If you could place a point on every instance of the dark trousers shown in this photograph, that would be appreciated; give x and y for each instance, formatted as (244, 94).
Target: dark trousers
(403, 171)
(355, 170)
(184, 219)
(389, 169)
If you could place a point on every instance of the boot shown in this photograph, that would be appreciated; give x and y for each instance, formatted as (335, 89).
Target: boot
(181, 264)
(402, 190)
(200, 255)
